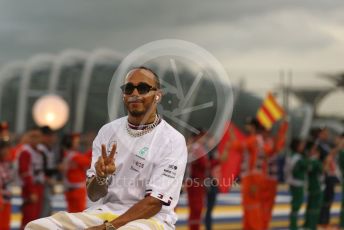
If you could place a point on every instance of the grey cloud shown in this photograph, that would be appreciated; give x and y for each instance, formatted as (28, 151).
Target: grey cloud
(32, 26)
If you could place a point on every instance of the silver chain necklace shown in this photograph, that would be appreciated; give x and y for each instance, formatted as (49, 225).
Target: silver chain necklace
(141, 132)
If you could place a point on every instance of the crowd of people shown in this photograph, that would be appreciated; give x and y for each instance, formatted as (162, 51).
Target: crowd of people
(312, 169)
(258, 176)
(154, 163)
(37, 163)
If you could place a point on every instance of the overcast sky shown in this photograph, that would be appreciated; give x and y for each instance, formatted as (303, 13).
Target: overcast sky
(251, 38)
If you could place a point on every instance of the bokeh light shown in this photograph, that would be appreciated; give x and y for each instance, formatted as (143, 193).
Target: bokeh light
(51, 110)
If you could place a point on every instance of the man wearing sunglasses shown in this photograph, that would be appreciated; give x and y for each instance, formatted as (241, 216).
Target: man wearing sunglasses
(141, 95)
(138, 163)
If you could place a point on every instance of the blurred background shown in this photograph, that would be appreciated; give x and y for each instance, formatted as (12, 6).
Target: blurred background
(71, 49)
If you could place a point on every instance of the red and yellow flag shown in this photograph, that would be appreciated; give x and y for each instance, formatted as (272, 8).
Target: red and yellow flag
(269, 112)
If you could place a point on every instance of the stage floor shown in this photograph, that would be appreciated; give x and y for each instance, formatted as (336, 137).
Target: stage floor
(227, 213)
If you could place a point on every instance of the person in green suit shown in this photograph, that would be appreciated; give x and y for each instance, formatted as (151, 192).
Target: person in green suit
(295, 171)
(341, 165)
(315, 186)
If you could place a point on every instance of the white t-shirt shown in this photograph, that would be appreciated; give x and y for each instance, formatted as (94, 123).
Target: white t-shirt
(152, 164)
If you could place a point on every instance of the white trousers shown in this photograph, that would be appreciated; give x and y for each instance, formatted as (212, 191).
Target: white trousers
(86, 219)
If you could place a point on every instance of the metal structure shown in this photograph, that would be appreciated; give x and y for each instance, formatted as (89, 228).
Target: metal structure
(54, 64)
(311, 96)
(89, 92)
(6, 74)
(337, 79)
(98, 56)
(36, 62)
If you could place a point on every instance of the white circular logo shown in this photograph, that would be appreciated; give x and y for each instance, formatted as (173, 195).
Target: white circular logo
(197, 94)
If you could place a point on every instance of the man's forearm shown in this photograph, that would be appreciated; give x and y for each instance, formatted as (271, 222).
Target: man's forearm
(144, 209)
(95, 190)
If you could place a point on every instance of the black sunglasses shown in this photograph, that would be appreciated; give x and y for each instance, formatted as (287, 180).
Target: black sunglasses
(142, 88)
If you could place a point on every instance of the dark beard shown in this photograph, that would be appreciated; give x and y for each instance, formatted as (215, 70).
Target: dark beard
(137, 113)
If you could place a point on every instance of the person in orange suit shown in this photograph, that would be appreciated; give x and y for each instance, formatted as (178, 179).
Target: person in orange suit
(5, 178)
(4, 131)
(74, 168)
(272, 146)
(252, 177)
(31, 172)
(18, 147)
(5, 135)
(215, 180)
(197, 166)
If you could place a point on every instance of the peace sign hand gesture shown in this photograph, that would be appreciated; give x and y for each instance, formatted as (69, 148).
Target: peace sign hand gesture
(106, 164)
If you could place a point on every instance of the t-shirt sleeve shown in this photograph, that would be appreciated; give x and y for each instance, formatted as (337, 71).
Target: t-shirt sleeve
(167, 176)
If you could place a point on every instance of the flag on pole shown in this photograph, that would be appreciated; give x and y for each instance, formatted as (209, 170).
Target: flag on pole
(269, 112)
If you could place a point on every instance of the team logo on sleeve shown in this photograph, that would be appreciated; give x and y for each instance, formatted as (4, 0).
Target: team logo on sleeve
(170, 171)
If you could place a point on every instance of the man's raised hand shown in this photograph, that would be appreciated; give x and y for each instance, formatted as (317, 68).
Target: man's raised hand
(106, 165)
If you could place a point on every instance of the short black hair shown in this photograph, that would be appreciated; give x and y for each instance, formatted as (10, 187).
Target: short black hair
(46, 130)
(67, 140)
(157, 79)
(314, 144)
(294, 145)
(4, 144)
(317, 130)
(255, 122)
